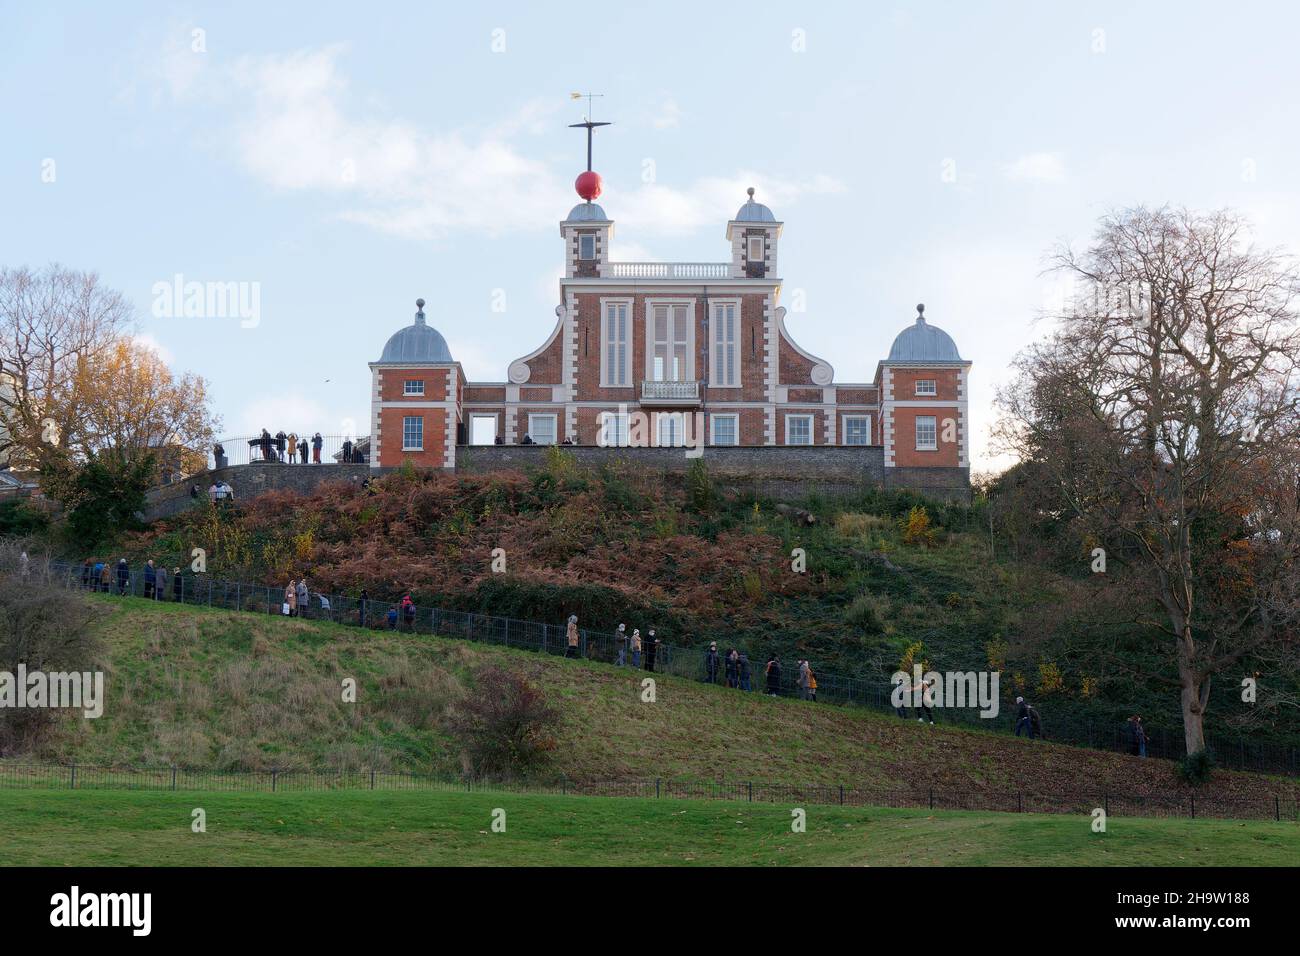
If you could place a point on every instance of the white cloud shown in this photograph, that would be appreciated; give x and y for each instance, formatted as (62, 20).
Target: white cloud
(1037, 168)
(145, 340)
(711, 201)
(669, 115)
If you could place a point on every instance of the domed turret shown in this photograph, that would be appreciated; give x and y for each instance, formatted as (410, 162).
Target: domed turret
(418, 343)
(922, 342)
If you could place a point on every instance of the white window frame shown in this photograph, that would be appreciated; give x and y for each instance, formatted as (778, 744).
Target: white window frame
(719, 360)
(749, 248)
(606, 379)
(932, 390)
(688, 374)
(810, 419)
(934, 428)
(555, 427)
(678, 422)
(583, 239)
(735, 429)
(844, 425)
(621, 428)
(405, 420)
(409, 382)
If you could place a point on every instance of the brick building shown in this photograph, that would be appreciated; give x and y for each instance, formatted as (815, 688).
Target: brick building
(669, 354)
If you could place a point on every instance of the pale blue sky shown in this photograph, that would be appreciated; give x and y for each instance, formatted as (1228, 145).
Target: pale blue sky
(349, 158)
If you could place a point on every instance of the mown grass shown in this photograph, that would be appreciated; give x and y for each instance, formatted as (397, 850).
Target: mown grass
(124, 828)
(212, 689)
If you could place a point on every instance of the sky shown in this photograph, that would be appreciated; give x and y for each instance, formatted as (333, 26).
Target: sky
(340, 160)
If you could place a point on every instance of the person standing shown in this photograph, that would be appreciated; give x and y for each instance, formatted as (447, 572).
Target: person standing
(105, 578)
(148, 580)
(1022, 718)
(347, 451)
(743, 666)
(291, 597)
(620, 646)
(711, 663)
(803, 679)
(160, 583)
(923, 702)
(651, 650)
(1139, 736)
(280, 439)
(408, 612)
(363, 608)
(293, 447)
(733, 668)
(177, 592)
(773, 672)
(304, 598)
(302, 448)
(636, 647)
(316, 443)
(571, 637)
(85, 575)
(812, 685)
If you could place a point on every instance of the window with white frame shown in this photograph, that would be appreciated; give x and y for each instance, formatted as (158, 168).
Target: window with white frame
(671, 429)
(586, 247)
(725, 351)
(613, 430)
(927, 386)
(413, 386)
(926, 436)
(616, 353)
(541, 428)
(413, 433)
(857, 429)
(798, 429)
(669, 356)
(726, 429)
(754, 249)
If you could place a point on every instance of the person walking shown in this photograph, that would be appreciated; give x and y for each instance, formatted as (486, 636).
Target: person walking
(733, 668)
(651, 650)
(620, 646)
(291, 597)
(293, 447)
(923, 701)
(1035, 723)
(636, 647)
(743, 667)
(148, 580)
(571, 637)
(316, 443)
(177, 586)
(1022, 718)
(304, 598)
(711, 663)
(773, 672)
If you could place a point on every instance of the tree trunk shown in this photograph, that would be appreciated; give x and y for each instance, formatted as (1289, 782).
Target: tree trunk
(1190, 698)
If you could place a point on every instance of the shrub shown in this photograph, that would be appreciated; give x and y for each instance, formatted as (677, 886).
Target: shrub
(504, 725)
(867, 612)
(1050, 680)
(917, 528)
(701, 496)
(1197, 768)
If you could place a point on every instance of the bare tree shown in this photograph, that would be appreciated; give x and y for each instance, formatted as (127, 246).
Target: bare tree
(51, 321)
(1163, 413)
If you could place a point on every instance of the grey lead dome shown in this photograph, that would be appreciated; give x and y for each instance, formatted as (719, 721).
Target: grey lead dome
(417, 344)
(754, 211)
(922, 342)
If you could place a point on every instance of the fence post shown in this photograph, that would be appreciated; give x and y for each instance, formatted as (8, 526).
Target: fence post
(657, 788)
(74, 775)
(932, 798)
(1105, 803)
(841, 794)
(372, 778)
(274, 774)
(1277, 808)
(1193, 806)
(173, 776)
(751, 791)
(1020, 802)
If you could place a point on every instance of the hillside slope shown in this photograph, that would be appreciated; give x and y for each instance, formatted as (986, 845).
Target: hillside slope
(216, 689)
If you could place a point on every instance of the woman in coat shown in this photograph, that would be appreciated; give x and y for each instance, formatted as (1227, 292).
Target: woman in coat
(291, 597)
(304, 598)
(571, 635)
(636, 647)
(774, 676)
(293, 447)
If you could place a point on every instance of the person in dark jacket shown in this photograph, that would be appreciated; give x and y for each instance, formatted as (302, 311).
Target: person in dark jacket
(774, 676)
(347, 451)
(281, 440)
(148, 579)
(160, 583)
(711, 663)
(1023, 721)
(85, 575)
(302, 448)
(123, 576)
(316, 443)
(176, 585)
(363, 608)
(651, 650)
(733, 668)
(743, 667)
(1137, 736)
(267, 445)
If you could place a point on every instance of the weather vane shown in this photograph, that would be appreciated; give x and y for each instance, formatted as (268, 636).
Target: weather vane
(587, 123)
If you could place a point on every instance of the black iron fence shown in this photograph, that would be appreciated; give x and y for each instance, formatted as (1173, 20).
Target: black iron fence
(749, 675)
(23, 775)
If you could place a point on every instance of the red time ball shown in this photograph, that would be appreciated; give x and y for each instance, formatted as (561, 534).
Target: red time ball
(588, 185)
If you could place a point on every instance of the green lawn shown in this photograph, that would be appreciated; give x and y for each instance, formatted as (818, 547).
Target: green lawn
(140, 828)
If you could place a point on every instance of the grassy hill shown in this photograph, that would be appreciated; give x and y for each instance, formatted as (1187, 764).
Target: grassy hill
(114, 828)
(702, 561)
(215, 689)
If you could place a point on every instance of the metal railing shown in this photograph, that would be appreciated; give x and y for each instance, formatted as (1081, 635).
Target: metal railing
(689, 662)
(670, 391)
(667, 270)
(252, 449)
(25, 775)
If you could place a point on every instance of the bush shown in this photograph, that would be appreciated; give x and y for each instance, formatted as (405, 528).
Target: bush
(917, 528)
(504, 725)
(1197, 768)
(868, 613)
(18, 519)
